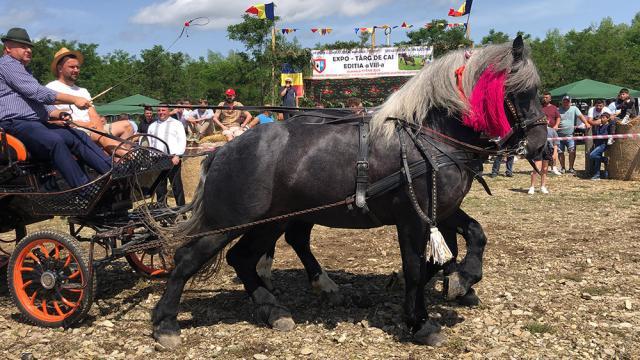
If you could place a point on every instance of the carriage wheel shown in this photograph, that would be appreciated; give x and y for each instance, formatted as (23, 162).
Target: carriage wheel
(150, 262)
(49, 279)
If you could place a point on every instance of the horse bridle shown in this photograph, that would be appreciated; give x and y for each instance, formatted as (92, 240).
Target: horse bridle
(519, 125)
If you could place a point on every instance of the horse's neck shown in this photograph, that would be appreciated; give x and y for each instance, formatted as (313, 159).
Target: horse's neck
(451, 126)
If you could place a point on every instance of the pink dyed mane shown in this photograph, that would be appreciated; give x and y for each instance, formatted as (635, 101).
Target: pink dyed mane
(487, 105)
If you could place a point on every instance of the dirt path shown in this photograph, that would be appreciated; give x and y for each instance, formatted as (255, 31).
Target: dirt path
(561, 281)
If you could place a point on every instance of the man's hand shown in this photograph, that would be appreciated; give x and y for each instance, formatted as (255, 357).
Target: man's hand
(58, 122)
(82, 103)
(175, 160)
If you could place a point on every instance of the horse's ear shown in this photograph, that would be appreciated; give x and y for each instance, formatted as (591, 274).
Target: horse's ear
(518, 49)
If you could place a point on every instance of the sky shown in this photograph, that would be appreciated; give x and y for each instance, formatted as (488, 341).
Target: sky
(134, 25)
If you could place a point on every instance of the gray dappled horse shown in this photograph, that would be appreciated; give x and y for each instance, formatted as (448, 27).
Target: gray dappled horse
(300, 164)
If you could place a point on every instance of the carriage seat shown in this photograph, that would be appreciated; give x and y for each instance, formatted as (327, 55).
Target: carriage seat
(11, 149)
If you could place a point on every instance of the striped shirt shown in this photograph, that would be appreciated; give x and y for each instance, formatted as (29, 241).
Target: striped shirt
(21, 96)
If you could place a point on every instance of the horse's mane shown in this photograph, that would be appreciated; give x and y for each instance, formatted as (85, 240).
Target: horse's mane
(434, 87)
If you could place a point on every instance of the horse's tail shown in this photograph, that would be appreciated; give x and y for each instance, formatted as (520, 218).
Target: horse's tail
(182, 233)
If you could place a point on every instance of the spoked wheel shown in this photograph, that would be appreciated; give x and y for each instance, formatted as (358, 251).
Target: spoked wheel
(150, 262)
(49, 279)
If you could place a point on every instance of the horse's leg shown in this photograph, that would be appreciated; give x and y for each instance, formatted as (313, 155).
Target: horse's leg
(458, 283)
(264, 268)
(188, 260)
(243, 257)
(416, 270)
(298, 235)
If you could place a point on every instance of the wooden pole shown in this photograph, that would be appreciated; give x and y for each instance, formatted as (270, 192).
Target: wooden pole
(273, 64)
(373, 38)
(468, 26)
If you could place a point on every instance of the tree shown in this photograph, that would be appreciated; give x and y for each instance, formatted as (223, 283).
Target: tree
(439, 36)
(495, 37)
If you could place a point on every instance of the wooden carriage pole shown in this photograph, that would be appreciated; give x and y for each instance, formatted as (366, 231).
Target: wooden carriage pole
(273, 64)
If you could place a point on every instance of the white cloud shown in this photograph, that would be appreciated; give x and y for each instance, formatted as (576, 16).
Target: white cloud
(225, 12)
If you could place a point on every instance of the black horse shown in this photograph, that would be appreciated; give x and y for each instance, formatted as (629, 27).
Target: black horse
(300, 164)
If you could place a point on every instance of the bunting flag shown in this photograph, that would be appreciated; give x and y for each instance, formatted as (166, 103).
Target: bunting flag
(463, 10)
(288, 30)
(297, 82)
(322, 31)
(405, 26)
(263, 11)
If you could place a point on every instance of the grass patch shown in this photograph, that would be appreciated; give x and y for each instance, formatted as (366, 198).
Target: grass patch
(596, 290)
(456, 344)
(538, 328)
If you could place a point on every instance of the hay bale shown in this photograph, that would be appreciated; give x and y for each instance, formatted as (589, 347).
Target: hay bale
(624, 154)
(190, 176)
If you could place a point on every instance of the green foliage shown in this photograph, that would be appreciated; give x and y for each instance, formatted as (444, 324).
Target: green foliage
(535, 327)
(495, 37)
(605, 52)
(439, 36)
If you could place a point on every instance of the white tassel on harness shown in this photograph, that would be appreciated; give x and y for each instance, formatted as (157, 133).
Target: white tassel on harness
(437, 248)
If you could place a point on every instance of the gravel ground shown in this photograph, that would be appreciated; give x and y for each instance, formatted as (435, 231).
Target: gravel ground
(561, 281)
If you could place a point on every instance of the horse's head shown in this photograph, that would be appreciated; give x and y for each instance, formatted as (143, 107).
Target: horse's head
(528, 133)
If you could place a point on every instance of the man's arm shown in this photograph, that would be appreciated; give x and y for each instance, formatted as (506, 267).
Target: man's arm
(584, 120)
(247, 118)
(557, 123)
(283, 92)
(216, 119)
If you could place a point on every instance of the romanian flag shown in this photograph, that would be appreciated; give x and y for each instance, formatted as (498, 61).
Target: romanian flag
(263, 11)
(463, 10)
(297, 82)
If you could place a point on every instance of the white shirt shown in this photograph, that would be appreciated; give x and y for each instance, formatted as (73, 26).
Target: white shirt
(593, 113)
(76, 114)
(206, 114)
(172, 132)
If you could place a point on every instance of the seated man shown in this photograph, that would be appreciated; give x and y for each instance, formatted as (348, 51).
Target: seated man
(625, 107)
(229, 120)
(199, 121)
(23, 114)
(66, 68)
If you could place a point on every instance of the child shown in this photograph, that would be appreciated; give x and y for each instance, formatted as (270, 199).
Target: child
(603, 126)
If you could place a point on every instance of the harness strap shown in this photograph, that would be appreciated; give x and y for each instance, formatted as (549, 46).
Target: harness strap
(362, 165)
(407, 173)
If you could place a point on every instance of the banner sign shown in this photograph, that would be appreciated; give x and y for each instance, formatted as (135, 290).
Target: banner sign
(368, 63)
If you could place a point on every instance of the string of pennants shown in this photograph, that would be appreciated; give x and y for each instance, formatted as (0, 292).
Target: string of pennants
(326, 31)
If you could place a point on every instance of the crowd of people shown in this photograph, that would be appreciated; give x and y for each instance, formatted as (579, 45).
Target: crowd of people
(566, 121)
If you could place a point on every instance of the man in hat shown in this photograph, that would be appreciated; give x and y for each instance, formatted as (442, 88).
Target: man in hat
(231, 121)
(25, 110)
(289, 96)
(66, 68)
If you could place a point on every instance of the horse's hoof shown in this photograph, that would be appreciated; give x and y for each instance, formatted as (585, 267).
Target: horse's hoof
(453, 286)
(167, 341)
(469, 299)
(334, 298)
(429, 334)
(283, 324)
(435, 339)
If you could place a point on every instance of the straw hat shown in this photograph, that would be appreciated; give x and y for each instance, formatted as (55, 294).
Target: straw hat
(62, 53)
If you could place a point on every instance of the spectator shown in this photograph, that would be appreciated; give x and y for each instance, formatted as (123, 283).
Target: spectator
(265, 117)
(199, 121)
(229, 120)
(496, 166)
(172, 132)
(147, 120)
(542, 163)
(602, 126)
(289, 96)
(595, 112)
(126, 117)
(553, 122)
(569, 114)
(355, 104)
(625, 107)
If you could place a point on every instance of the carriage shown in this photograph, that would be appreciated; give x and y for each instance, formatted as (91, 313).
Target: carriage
(51, 274)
